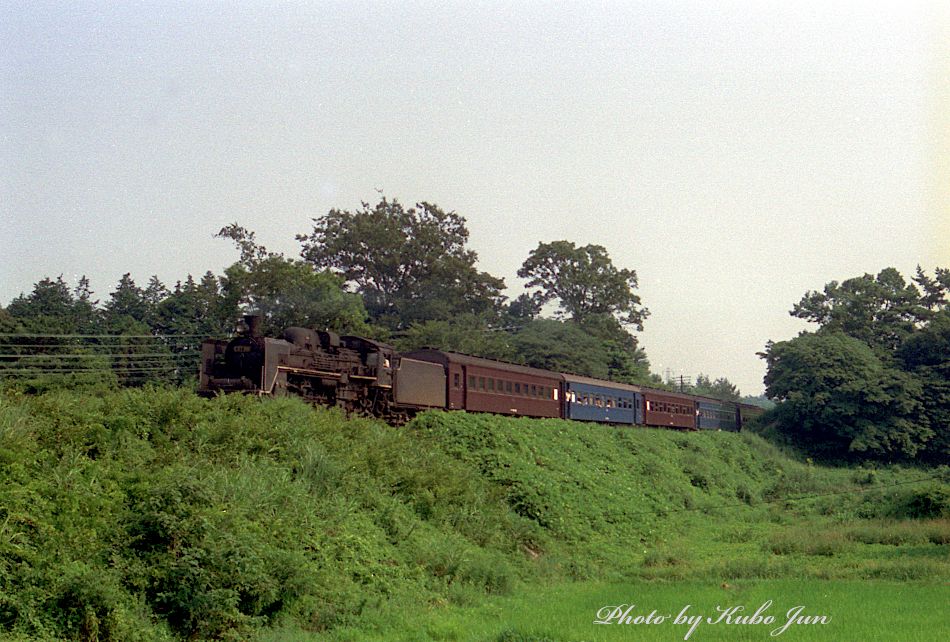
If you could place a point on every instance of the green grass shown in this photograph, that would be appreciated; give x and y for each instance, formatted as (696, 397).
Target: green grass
(157, 515)
(566, 613)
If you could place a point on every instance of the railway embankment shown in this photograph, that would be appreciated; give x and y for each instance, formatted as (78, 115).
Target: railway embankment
(157, 515)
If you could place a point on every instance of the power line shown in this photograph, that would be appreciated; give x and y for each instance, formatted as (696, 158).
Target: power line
(106, 355)
(187, 344)
(41, 371)
(121, 363)
(103, 336)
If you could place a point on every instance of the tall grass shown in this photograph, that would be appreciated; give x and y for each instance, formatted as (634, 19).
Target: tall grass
(156, 515)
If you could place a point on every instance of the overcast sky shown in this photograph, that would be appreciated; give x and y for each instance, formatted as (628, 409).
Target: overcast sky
(735, 155)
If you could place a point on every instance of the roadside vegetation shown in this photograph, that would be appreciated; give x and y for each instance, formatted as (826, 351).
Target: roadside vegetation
(151, 514)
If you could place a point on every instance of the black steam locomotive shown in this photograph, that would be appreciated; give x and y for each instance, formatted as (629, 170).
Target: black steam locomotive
(353, 373)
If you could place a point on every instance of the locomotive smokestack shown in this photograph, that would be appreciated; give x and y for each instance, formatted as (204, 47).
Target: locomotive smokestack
(253, 322)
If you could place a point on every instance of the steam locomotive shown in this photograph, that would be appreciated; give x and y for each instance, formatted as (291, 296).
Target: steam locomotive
(364, 376)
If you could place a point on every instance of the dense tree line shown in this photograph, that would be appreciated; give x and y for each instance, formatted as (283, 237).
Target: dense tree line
(873, 381)
(400, 274)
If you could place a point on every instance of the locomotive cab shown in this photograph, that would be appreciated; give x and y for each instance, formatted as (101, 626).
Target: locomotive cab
(376, 360)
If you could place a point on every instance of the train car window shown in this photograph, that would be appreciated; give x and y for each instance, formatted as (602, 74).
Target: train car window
(491, 385)
(517, 388)
(481, 383)
(457, 381)
(508, 387)
(534, 390)
(471, 381)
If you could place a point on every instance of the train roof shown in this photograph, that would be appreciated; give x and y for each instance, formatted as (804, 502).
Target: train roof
(668, 393)
(573, 378)
(715, 400)
(470, 360)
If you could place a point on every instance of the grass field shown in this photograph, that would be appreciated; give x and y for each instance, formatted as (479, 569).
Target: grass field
(566, 613)
(156, 515)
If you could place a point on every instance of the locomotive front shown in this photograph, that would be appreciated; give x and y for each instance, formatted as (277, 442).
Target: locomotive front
(235, 365)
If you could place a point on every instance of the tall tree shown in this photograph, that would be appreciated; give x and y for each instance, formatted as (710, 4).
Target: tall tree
(196, 310)
(584, 281)
(53, 308)
(721, 388)
(410, 264)
(562, 346)
(935, 291)
(288, 292)
(467, 333)
(927, 355)
(127, 301)
(881, 310)
(839, 398)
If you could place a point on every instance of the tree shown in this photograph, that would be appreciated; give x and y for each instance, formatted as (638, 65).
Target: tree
(881, 311)
(562, 346)
(53, 308)
(468, 334)
(721, 388)
(927, 355)
(128, 300)
(45, 361)
(520, 311)
(291, 293)
(194, 310)
(626, 361)
(410, 264)
(935, 291)
(584, 281)
(839, 398)
(286, 292)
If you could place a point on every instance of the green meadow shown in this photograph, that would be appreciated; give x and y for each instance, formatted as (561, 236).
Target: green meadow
(853, 610)
(156, 515)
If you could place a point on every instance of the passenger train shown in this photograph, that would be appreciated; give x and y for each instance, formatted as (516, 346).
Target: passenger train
(362, 375)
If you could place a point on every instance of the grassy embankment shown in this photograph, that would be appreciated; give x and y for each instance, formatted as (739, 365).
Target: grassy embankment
(149, 515)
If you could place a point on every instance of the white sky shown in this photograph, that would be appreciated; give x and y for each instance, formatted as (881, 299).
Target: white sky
(735, 154)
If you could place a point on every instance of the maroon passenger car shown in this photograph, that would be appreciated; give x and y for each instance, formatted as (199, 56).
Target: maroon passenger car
(669, 409)
(485, 385)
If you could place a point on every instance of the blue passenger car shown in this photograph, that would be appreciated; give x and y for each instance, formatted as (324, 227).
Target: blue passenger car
(713, 414)
(587, 399)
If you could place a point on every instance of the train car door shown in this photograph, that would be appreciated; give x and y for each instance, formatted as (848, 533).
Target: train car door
(456, 386)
